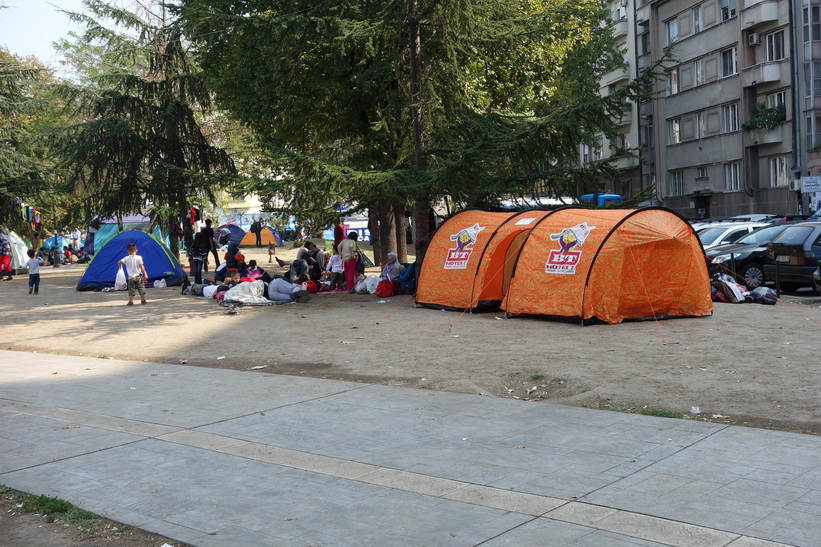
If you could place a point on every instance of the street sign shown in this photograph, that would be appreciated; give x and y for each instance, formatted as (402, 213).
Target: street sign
(810, 184)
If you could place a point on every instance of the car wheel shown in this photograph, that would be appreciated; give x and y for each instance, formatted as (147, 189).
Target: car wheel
(816, 286)
(753, 275)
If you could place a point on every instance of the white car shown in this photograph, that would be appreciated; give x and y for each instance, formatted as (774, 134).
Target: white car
(725, 233)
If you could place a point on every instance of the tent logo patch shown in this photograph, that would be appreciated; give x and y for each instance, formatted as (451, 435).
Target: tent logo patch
(458, 258)
(565, 259)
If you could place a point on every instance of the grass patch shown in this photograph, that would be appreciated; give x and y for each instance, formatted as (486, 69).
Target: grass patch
(661, 413)
(102, 357)
(619, 407)
(54, 508)
(537, 376)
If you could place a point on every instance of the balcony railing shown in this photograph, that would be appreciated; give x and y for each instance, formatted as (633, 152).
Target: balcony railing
(755, 14)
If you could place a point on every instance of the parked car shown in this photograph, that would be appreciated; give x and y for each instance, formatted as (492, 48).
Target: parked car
(725, 233)
(816, 281)
(754, 217)
(749, 253)
(787, 218)
(796, 251)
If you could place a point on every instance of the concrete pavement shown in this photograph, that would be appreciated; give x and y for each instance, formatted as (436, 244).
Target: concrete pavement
(230, 458)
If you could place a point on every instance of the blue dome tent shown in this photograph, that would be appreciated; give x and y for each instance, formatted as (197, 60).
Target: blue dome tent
(236, 232)
(59, 240)
(159, 262)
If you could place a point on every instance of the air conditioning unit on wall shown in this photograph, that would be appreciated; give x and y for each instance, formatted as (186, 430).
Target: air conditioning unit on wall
(754, 39)
(795, 185)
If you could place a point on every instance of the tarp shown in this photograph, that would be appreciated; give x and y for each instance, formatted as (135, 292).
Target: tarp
(267, 235)
(572, 262)
(237, 233)
(158, 260)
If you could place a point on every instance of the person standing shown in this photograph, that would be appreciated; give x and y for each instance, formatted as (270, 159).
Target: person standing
(339, 233)
(135, 273)
(208, 234)
(5, 258)
(256, 229)
(33, 264)
(75, 239)
(347, 253)
(198, 255)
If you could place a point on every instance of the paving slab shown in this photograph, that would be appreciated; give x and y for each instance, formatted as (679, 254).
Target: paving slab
(220, 457)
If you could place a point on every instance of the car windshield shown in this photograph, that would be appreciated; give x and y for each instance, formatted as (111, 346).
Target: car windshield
(710, 235)
(794, 235)
(762, 235)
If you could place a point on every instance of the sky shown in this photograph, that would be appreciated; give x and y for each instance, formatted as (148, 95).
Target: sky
(29, 27)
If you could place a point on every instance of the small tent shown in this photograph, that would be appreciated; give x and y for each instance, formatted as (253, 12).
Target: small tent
(267, 235)
(571, 262)
(19, 255)
(236, 232)
(60, 241)
(159, 262)
(108, 228)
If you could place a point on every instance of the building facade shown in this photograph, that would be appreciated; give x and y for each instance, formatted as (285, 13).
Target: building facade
(736, 120)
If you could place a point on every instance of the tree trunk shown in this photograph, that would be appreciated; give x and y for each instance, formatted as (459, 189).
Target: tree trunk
(387, 230)
(373, 221)
(401, 232)
(421, 226)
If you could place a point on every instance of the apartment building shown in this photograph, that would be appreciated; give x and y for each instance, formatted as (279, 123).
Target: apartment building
(736, 124)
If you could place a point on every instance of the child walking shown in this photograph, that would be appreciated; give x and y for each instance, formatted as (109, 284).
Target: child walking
(135, 272)
(33, 264)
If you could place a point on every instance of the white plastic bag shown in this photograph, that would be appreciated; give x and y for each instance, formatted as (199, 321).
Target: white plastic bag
(119, 281)
(160, 283)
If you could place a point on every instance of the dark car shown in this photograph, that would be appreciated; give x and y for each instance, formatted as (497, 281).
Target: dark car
(749, 253)
(796, 251)
(787, 218)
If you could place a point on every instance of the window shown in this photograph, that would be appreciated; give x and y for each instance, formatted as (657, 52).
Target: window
(729, 61)
(585, 153)
(732, 176)
(670, 31)
(730, 114)
(696, 19)
(675, 131)
(702, 173)
(676, 183)
(645, 43)
(775, 46)
(672, 81)
(813, 132)
(812, 23)
(699, 72)
(777, 99)
(727, 9)
(778, 171)
(701, 125)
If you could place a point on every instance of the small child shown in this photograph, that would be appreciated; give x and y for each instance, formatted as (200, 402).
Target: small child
(33, 264)
(254, 271)
(135, 272)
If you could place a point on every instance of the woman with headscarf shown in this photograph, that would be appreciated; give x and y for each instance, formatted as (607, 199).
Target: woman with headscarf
(393, 268)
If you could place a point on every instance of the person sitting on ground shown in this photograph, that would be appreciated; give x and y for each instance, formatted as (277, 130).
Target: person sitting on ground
(359, 277)
(393, 268)
(255, 272)
(301, 265)
(234, 260)
(280, 290)
(333, 277)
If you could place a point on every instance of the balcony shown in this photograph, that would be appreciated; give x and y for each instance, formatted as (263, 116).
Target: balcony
(615, 76)
(758, 137)
(620, 28)
(761, 74)
(756, 14)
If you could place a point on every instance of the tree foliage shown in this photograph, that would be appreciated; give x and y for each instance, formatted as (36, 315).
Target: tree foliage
(22, 169)
(140, 144)
(509, 90)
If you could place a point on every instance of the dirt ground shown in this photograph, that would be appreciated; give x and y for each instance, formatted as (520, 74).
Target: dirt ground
(747, 364)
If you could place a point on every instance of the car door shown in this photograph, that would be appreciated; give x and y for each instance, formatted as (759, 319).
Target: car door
(732, 235)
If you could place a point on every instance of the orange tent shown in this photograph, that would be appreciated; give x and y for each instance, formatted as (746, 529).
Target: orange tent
(266, 236)
(611, 264)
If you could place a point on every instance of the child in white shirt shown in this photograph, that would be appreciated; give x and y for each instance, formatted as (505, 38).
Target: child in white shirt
(33, 264)
(135, 272)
